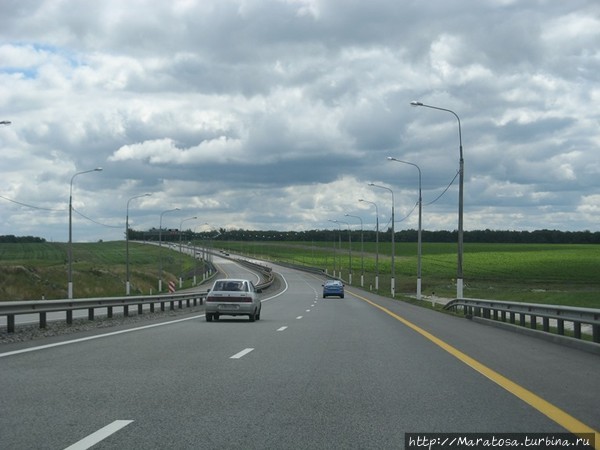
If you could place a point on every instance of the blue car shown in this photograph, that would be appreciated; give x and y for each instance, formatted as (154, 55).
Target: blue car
(333, 288)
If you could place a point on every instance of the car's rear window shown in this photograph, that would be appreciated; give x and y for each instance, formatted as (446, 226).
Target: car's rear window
(230, 286)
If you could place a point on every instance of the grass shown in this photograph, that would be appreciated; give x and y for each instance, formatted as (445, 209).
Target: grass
(545, 273)
(30, 271)
(535, 273)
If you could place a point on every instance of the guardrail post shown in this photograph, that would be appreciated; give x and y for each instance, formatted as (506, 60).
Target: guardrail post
(596, 333)
(577, 329)
(140, 309)
(10, 323)
(546, 324)
(151, 307)
(126, 310)
(43, 320)
(90, 313)
(109, 312)
(533, 322)
(69, 316)
(561, 326)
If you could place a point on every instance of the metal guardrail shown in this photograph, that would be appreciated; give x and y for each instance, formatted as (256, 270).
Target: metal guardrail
(552, 317)
(266, 272)
(42, 307)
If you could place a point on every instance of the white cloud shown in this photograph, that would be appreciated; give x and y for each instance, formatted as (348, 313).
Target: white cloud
(278, 113)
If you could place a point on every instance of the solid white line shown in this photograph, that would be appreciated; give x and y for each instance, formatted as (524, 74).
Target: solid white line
(242, 353)
(98, 336)
(99, 435)
(281, 329)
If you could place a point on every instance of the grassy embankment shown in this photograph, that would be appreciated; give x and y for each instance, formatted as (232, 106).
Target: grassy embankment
(39, 270)
(536, 273)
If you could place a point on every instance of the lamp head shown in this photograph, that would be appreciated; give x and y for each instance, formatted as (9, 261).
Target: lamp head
(416, 103)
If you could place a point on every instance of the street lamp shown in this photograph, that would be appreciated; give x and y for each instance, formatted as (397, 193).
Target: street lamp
(70, 248)
(393, 281)
(160, 247)
(203, 253)
(376, 242)
(127, 284)
(339, 246)
(349, 250)
(362, 251)
(181, 250)
(419, 245)
(459, 269)
(5, 122)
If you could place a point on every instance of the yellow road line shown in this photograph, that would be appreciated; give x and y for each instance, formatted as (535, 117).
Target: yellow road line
(559, 416)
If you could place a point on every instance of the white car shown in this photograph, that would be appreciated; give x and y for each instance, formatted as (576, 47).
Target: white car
(233, 297)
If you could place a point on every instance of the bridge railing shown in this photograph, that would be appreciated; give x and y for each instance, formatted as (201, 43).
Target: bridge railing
(548, 318)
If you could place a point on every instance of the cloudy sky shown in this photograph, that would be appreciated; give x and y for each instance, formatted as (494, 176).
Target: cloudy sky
(277, 114)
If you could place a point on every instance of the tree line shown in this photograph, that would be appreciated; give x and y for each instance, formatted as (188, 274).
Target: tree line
(478, 236)
(12, 239)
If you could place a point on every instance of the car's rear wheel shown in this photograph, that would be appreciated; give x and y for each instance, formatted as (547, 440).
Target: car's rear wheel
(258, 314)
(252, 317)
(209, 317)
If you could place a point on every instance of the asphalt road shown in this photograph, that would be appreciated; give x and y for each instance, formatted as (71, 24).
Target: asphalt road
(313, 373)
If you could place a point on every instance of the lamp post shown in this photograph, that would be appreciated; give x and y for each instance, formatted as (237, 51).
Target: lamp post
(376, 242)
(203, 253)
(459, 268)
(362, 251)
(127, 284)
(349, 250)
(181, 250)
(419, 242)
(160, 269)
(393, 280)
(70, 247)
(339, 246)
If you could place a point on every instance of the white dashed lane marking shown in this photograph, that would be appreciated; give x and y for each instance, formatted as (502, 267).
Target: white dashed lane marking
(242, 353)
(99, 435)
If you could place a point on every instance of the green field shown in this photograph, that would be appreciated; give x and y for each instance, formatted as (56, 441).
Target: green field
(538, 273)
(32, 271)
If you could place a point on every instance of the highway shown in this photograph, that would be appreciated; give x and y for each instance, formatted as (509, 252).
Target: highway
(313, 373)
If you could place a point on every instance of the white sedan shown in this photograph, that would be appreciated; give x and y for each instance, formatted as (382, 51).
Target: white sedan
(233, 297)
